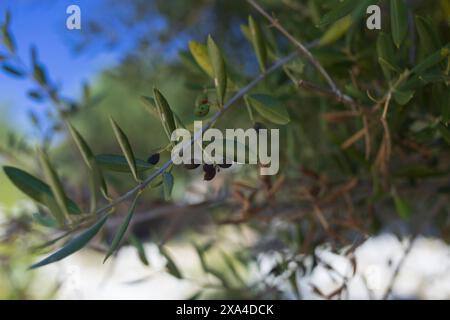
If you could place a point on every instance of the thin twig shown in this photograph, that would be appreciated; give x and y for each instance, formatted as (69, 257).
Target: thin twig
(353, 139)
(328, 93)
(303, 49)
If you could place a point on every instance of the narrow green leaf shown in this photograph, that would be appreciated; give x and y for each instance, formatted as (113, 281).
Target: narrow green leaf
(386, 65)
(201, 256)
(89, 158)
(83, 147)
(336, 31)
(399, 21)
(55, 186)
(118, 163)
(200, 54)
(402, 208)
(218, 66)
(231, 266)
(40, 75)
(51, 242)
(73, 245)
(12, 70)
(386, 55)
(432, 60)
(340, 11)
(269, 108)
(125, 147)
(45, 220)
(428, 38)
(150, 105)
(35, 188)
(403, 97)
(7, 36)
(188, 60)
(167, 184)
(122, 229)
(171, 266)
(258, 42)
(135, 242)
(165, 112)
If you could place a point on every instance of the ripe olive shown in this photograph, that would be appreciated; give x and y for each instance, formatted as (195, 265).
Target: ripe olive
(153, 159)
(209, 175)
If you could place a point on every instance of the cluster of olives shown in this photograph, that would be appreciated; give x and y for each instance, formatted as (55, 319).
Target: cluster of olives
(210, 170)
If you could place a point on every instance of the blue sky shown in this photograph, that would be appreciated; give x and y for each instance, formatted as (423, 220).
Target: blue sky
(43, 23)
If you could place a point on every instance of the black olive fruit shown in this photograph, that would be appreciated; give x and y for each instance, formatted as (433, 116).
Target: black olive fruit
(209, 175)
(153, 159)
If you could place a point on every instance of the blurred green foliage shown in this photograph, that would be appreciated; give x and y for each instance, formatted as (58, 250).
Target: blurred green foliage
(354, 162)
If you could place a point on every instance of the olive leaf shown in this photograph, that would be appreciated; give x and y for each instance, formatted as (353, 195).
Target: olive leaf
(258, 42)
(336, 31)
(428, 38)
(399, 21)
(39, 74)
(170, 264)
(432, 60)
(122, 229)
(403, 97)
(206, 268)
(218, 66)
(386, 55)
(89, 159)
(135, 242)
(35, 188)
(340, 11)
(55, 186)
(231, 266)
(165, 112)
(12, 70)
(402, 208)
(6, 33)
(269, 108)
(201, 256)
(200, 54)
(45, 220)
(73, 245)
(150, 105)
(118, 163)
(188, 60)
(167, 185)
(125, 147)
